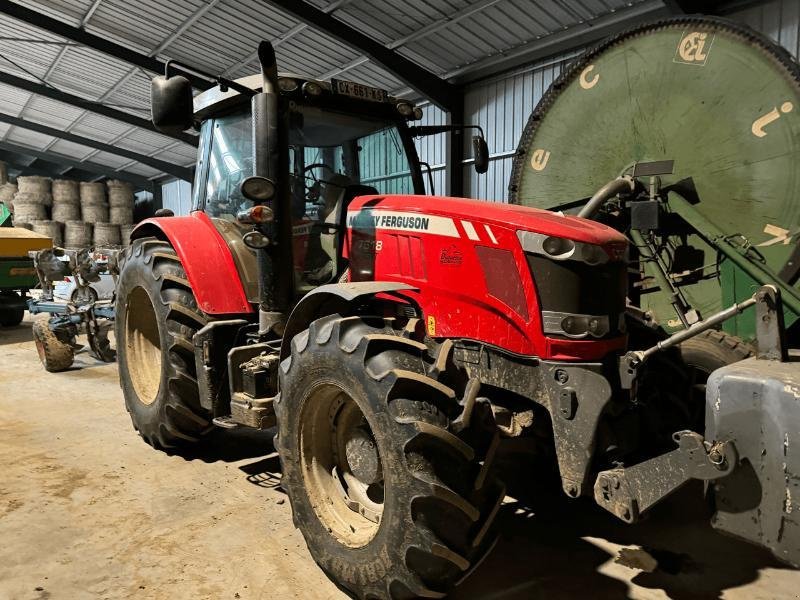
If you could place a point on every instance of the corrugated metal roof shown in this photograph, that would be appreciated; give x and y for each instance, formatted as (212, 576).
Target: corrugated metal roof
(221, 36)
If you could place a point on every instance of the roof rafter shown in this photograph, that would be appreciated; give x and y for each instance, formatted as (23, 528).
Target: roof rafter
(285, 37)
(439, 91)
(429, 29)
(165, 43)
(83, 37)
(160, 165)
(90, 167)
(89, 105)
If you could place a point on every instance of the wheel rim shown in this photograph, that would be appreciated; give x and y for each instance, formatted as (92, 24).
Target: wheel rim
(143, 346)
(341, 465)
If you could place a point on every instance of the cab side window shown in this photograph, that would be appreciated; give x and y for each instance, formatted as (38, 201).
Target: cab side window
(230, 161)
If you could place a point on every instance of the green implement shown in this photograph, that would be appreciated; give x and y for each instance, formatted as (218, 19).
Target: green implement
(723, 103)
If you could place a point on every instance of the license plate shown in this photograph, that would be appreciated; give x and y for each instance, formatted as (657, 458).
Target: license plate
(356, 90)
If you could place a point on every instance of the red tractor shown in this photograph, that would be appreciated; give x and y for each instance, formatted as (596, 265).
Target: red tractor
(394, 339)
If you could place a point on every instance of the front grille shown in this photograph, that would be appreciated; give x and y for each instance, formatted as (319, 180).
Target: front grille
(569, 287)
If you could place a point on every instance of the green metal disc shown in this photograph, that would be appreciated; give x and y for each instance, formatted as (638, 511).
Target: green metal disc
(720, 100)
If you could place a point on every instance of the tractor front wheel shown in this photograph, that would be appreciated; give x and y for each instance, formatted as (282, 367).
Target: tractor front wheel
(156, 317)
(56, 354)
(392, 500)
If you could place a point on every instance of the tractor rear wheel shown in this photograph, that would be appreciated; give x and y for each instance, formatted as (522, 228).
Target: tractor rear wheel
(156, 317)
(393, 502)
(10, 313)
(10, 317)
(56, 355)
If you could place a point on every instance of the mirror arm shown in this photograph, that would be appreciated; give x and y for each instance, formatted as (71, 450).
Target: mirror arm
(425, 130)
(432, 191)
(221, 81)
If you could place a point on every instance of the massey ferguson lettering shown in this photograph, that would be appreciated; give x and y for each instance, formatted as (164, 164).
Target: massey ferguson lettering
(401, 222)
(379, 219)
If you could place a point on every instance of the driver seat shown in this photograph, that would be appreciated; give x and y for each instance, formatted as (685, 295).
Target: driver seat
(331, 229)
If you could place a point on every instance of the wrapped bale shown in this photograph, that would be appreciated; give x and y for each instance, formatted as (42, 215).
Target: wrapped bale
(51, 229)
(106, 234)
(77, 234)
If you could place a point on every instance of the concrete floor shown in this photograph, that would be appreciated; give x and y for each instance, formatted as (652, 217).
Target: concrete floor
(88, 510)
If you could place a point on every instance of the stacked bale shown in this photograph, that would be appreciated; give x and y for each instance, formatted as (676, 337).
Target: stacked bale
(94, 206)
(120, 200)
(35, 187)
(32, 200)
(66, 201)
(77, 234)
(7, 192)
(125, 234)
(106, 234)
(28, 208)
(51, 229)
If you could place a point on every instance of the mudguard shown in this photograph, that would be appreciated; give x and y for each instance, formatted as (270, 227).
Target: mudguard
(756, 404)
(206, 258)
(330, 299)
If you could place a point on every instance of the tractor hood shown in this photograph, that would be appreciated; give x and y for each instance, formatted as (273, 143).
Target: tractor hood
(439, 214)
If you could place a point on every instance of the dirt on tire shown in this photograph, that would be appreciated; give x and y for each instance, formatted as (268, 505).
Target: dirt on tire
(55, 354)
(439, 499)
(156, 316)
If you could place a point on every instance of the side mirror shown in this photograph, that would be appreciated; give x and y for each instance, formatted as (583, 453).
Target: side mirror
(171, 104)
(480, 151)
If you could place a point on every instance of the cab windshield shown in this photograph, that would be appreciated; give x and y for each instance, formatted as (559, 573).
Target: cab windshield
(333, 157)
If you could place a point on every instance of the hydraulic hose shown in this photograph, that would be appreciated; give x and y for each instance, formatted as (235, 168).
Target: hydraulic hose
(609, 190)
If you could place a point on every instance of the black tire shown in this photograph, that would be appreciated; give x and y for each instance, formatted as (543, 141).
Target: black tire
(156, 315)
(11, 317)
(673, 383)
(438, 500)
(56, 355)
(713, 349)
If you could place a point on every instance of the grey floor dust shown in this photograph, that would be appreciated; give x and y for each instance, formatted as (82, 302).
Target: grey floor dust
(87, 510)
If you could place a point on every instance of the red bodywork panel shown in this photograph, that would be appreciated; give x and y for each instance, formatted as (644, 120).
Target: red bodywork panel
(207, 261)
(465, 258)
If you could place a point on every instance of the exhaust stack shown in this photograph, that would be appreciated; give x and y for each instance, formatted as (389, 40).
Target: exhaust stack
(274, 260)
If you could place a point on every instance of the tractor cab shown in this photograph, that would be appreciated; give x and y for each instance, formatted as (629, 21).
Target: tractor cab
(343, 140)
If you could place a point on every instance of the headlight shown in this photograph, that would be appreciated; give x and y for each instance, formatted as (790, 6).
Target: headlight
(405, 109)
(287, 84)
(418, 113)
(312, 88)
(558, 247)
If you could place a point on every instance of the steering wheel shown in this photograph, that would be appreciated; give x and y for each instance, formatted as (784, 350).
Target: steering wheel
(313, 166)
(313, 190)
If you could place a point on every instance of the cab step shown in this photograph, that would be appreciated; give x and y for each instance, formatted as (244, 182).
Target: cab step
(225, 422)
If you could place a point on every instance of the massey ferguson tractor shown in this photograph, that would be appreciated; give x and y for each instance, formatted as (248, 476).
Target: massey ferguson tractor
(398, 342)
